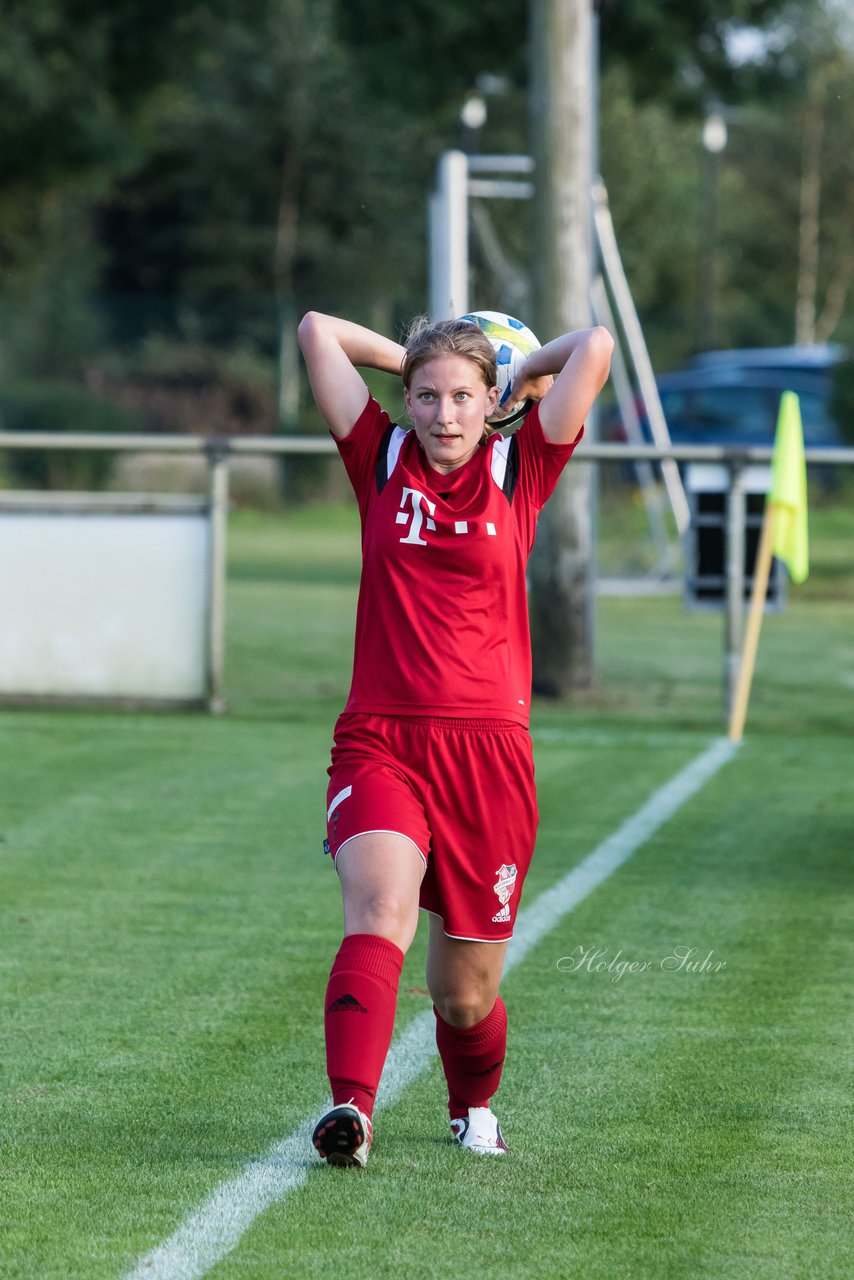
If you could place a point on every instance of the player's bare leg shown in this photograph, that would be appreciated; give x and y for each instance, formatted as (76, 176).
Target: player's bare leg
(380, 875)
(463, 977)
(471, 1033)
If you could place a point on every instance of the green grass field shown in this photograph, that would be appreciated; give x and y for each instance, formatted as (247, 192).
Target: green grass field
(167, 921)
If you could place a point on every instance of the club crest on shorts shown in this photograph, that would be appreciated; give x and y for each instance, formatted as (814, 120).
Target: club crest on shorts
(503, 887)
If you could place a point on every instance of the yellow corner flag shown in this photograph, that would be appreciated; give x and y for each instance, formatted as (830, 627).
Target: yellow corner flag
(789, 490)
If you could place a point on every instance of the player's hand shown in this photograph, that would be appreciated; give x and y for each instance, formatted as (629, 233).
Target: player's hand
(527, 388)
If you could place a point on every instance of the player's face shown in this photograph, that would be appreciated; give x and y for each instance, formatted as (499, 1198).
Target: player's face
(449, 403)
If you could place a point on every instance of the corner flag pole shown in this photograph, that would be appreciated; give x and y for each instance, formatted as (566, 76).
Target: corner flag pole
(784, 534)
(761, 574)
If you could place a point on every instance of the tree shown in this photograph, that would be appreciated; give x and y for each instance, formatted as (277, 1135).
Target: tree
(76, 84)
(426, 55)
(827, 173)
(201, 170)
(678, 51)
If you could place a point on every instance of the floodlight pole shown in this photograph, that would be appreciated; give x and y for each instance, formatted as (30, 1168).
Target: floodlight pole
(449, 238)
(459, 177)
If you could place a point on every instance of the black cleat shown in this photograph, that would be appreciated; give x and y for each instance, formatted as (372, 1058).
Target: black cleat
(343, 1136)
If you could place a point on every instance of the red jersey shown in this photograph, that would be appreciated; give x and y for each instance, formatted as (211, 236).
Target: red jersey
(442, 621)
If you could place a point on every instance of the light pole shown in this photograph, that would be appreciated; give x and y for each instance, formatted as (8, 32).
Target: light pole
(714, 138)
(472, 117)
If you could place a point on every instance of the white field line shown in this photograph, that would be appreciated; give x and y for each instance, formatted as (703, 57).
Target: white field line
(213, 1230)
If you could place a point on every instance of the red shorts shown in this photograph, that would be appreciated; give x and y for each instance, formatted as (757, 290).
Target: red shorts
(461, 790)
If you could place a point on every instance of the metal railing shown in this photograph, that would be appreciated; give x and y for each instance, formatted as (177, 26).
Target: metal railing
(219, 450)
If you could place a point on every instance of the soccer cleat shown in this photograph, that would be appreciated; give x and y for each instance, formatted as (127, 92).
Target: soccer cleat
(480, 1133)
(343, 1136)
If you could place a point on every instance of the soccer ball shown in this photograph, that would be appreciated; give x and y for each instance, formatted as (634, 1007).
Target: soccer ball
(513, 343)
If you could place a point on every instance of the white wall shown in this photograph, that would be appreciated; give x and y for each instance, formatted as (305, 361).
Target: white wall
(103, 604)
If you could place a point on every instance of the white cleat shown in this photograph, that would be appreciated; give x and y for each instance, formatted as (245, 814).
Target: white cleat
(480, 1133)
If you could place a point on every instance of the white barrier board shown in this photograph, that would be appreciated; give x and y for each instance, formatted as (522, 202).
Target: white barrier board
(104, 604)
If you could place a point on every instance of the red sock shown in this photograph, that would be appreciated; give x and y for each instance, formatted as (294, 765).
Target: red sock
(472, 1058)
(359, 1016)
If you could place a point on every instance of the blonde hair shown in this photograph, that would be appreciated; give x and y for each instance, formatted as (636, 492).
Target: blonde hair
(425, 341)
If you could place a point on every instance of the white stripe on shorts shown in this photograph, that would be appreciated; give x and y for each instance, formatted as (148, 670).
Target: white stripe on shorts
(342, 795)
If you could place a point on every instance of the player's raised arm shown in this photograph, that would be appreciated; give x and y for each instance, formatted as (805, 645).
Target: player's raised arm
(334, 349)
(579, 362)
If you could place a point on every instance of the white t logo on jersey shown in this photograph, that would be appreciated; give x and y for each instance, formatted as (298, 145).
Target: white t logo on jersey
(420, 503)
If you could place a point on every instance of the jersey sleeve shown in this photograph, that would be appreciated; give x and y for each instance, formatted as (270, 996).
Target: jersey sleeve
(360, 449)
(540, 461)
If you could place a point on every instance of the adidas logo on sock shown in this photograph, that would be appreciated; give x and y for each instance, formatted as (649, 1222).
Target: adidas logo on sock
(346, 1004)
(488, 1070)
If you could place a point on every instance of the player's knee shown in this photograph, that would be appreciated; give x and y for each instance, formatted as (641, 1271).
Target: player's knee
(382, 912)
(463, 1008)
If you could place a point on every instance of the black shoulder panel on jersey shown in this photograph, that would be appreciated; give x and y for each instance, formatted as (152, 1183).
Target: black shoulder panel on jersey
(511, 475)
(382, 457)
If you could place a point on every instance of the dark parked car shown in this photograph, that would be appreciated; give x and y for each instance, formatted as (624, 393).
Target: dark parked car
(732, 397)
(819, 358)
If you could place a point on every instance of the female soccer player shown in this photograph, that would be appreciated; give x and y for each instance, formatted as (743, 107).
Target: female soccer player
(431, 797)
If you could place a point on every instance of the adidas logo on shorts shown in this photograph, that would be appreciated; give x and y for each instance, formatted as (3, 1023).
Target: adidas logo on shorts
(503, 915)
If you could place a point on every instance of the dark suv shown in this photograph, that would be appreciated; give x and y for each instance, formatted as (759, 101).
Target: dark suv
(732, 397)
